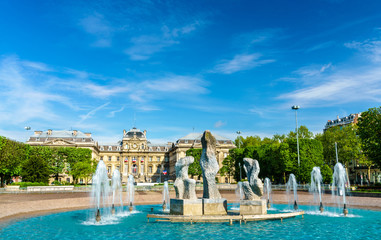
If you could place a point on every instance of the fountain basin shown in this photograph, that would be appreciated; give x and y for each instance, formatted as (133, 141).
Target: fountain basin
(230, 218)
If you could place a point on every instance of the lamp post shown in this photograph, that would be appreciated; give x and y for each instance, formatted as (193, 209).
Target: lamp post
(240, 172)
(239, 139)
(296, 107)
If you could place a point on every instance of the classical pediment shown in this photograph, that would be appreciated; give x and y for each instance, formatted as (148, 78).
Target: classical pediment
(59, 141)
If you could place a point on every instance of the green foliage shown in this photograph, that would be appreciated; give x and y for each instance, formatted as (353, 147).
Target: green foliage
(348, 144)
(303, 132)
(369, 130)
(326, 173)
(195, 168)
(228, 167)
(27, 184)
(84, 169)
(12, 153)
(36, 168)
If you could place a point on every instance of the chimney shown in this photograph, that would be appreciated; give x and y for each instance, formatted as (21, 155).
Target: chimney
(75, 132)
(49, 131)
(145, 132)
(37, 132)
(88, 134)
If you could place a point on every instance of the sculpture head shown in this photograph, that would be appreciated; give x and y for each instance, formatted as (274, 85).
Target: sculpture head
(208, 140)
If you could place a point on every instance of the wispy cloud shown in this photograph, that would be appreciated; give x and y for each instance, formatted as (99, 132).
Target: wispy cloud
(96, 25)
(144, 46)
(23, 94)
(92, 112)
(219, 124)
(112, 113)
(241, 62)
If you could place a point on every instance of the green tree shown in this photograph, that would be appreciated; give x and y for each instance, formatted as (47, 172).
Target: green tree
(303, 133)
(326, 173)
(348, 145)
(228, 167)
(195, 168)
(369, 130)
(37, 167)
(12, 153)
(58, 161)
(83, 169)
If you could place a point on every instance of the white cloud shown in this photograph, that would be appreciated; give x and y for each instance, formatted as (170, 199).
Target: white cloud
(98, 26)
(341, 87)
(92, 112)
(241, 62)
(219, 124)
(23, 95)
(144, 46)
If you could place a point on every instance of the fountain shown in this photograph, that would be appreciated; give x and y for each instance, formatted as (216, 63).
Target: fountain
(116, 190)
(267, 191)
(292, 185)
(239, 194)
(338, 184)
(315, 188)
(100, 189)
(130, 192)
(165, 196)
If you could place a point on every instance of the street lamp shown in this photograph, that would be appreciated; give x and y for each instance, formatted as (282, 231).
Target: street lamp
(296, 107)
(239, 139)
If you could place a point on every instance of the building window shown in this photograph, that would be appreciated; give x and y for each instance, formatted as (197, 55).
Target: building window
(109, 158)
(150, 159)
(126, 146)
(158, 159)
(134, 168)
(166, 159)
(158, 169)
(102, 148)
(118, 167)
(101, 158)
(109, 169)
(149, 169)
(150, 148)
(225, 155)
(158, 148)
(186, 141)
(118, 148)
(117, 158)
(109, 148)
(142, 146)
(126, 169)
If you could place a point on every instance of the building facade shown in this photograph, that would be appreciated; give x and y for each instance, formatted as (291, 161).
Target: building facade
(350, 119)
(134, 154)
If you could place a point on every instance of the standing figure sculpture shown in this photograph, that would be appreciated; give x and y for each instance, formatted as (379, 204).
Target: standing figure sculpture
(253, 189)
(185, 188)
(209, 166)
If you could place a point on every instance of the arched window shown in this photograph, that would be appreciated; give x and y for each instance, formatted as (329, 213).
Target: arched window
(142, 145)
(149, 169)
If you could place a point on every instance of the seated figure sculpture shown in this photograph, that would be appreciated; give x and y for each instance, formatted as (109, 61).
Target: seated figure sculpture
(185, 188)
(253, 189)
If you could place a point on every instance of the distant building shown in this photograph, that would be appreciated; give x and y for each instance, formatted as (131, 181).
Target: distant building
(134, 154)
(351, 119)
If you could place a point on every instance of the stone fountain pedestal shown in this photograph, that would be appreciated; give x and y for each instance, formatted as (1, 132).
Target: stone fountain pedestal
(189, 207)
(252, 207)
(198, 207)
(214, 206)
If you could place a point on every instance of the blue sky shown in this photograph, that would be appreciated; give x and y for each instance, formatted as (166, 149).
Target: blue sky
(182, 66)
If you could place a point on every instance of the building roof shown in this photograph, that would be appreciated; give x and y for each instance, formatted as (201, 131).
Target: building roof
(60, 134)
(197, 136)
(134, 132)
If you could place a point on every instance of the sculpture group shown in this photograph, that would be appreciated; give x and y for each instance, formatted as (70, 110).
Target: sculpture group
(211, 203)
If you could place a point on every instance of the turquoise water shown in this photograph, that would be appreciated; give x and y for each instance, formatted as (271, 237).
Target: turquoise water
(360, 224)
